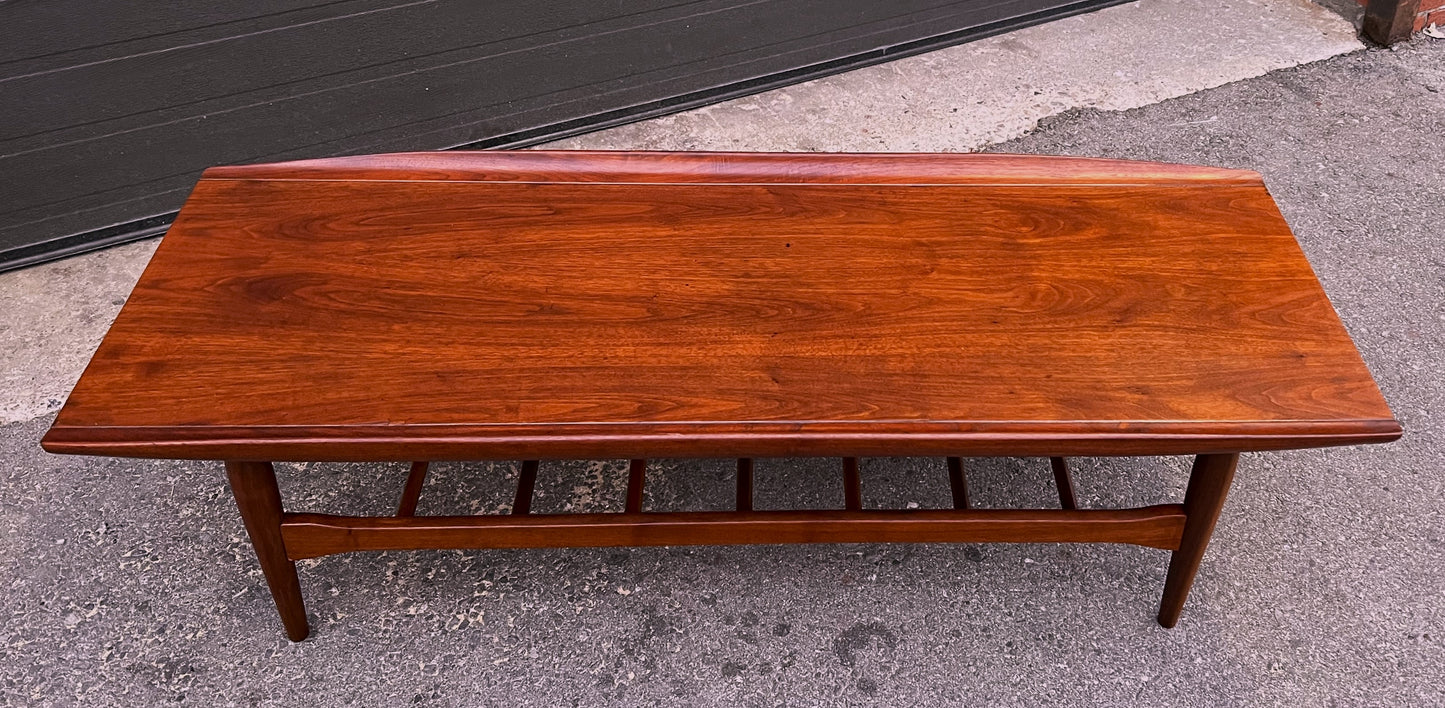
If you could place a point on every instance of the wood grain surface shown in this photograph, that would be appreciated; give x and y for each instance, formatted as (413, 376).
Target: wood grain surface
(535, 305)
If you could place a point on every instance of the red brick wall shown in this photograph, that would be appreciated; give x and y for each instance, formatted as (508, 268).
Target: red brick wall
(1431, 12)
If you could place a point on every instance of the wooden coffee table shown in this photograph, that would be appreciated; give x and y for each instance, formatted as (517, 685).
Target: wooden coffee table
(549, 305)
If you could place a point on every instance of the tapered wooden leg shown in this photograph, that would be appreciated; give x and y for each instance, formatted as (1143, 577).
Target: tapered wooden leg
(258, 498)
(1208, 486)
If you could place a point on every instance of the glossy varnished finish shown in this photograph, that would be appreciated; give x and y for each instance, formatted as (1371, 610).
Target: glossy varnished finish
(532, 306)
(540, 305)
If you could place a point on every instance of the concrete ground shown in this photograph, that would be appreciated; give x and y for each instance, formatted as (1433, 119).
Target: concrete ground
(131, 582)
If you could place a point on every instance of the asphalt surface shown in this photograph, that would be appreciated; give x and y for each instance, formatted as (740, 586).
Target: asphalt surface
(131, 582)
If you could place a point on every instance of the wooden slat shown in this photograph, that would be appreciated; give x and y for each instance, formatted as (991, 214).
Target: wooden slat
(636, 478)
(1065, 483)
(412, 492)
(852, 485)
(745, 484)
(958, 482)
(526, 481)
(315, 535)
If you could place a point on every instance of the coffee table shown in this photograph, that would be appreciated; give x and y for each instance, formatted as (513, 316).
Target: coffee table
(537, 306)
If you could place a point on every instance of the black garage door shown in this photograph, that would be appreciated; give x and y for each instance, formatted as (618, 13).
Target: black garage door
(109, 109)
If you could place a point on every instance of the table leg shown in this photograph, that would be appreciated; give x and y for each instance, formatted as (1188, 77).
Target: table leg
(1208, 486)
(259, 499)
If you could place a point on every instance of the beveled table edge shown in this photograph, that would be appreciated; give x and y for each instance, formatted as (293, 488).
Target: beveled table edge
(643, 167)
(699, 440)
